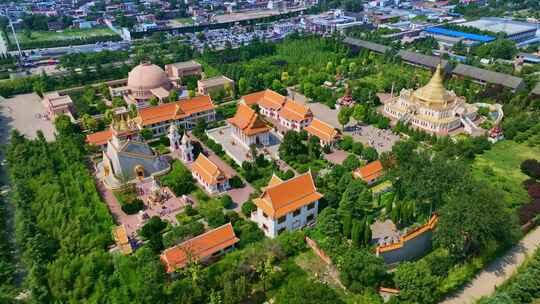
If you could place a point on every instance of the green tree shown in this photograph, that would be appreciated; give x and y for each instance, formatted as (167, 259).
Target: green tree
(153, 101)
(370, 154)
(344, 116)
(243, 86)
(351, 163)
(464, 226)
(361, 269)
(173, 96)
(328, 222)
(179, 179)
(146, 134)
(304, 291)
(416, 283)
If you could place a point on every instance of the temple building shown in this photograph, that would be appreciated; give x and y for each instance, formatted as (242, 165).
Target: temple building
(176, 71)
(287, 205)
(183, 113)
(289, 114)
(327, 134)
(248, 128)
(432, 108)
(56, 105)
(346, 101)
(211, 86)
(145, 81)
(269, 102)
(295, 116)
(127, 160)
(209, 175)
(370, 173)
(180, 144)
(203, 248)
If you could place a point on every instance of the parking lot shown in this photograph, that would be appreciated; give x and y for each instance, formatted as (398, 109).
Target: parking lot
(24, 113)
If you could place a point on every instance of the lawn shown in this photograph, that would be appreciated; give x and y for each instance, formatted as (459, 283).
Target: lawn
(500, 166)
(40, 36)
(187, 20)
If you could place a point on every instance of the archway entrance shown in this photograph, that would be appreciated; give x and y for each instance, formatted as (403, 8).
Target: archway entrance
(139, 172)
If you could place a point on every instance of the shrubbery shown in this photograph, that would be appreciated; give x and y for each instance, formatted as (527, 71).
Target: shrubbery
(133, 207)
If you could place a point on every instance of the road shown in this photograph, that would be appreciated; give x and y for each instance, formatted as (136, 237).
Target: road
(498, 271)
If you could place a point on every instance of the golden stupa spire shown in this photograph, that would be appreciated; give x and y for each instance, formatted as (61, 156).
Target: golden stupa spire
(433, 91)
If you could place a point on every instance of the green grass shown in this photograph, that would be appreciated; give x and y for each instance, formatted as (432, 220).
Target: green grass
(500, 167)
(69, 34)
(186, 20)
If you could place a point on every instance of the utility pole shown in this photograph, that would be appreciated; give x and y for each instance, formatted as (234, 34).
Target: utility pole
(15, 36)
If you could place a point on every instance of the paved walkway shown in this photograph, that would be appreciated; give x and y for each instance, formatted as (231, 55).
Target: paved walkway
(25, 113)
(498, 271)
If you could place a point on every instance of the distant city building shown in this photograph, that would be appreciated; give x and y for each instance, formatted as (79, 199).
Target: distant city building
(514, 30)
(432, 108)
(287, 205)
(209, 175)
(330, 22)
(448, 38)
(203, 248)
(248, 128)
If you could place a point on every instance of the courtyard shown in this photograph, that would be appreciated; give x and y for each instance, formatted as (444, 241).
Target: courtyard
(236, 150)
(380, 139)
(24, 113)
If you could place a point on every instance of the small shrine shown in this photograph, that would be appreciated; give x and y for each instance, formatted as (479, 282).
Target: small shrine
(180, 144)
(495, 134)
(347, 99)
(157, 195)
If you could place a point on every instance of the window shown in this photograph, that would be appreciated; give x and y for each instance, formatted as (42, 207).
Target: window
(281, 219)
(296, 212)
(264, 214)
(265, 227)
(310, 217)
(311, 206)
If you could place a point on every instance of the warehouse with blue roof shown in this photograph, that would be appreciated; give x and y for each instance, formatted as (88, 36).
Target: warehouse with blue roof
(448, 37)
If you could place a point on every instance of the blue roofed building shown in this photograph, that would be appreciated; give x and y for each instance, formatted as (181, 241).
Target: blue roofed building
(448, 38)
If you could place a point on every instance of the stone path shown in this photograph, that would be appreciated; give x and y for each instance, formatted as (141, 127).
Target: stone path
(498, 271)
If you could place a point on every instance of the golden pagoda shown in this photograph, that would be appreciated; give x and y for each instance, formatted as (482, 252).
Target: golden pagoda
(432, 108)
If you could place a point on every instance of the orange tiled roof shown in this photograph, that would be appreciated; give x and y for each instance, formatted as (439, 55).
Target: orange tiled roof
(99, 138)
(209, 171)
(321, 130)
(175, 110)
(287, 196)
(247, 120)
(295, 111)
(199, 247)
(410, 235)
(267, 99)
(370, 171)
